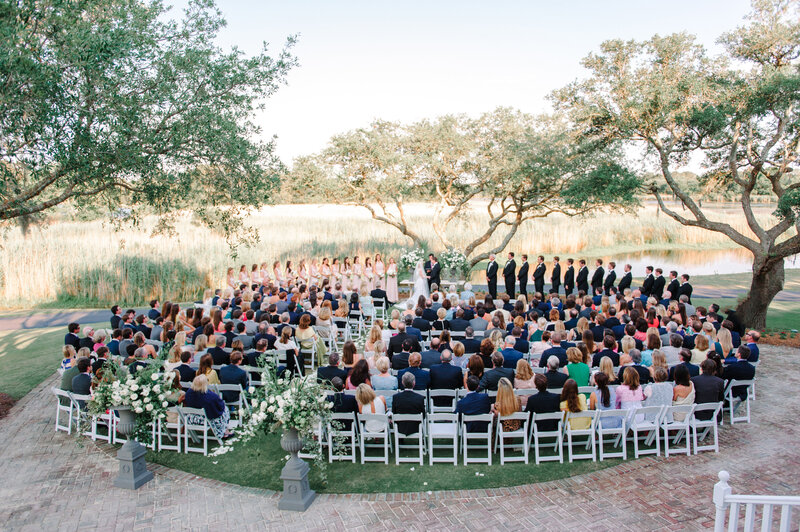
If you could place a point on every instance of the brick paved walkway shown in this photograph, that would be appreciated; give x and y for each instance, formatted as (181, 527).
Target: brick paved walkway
(50, 481)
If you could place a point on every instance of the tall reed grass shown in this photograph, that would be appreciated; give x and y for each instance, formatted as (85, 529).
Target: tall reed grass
(89, 263)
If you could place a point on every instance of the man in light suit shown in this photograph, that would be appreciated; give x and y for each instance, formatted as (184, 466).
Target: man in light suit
(597, 276)
(625, 281)
(538, 275)
(582, 280)
(522, 276)
(569, 278)
(491, 276)
(555, 277)
(611, 278)
(509, 274)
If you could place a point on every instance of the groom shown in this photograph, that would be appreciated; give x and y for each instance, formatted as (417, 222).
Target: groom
(432, 271)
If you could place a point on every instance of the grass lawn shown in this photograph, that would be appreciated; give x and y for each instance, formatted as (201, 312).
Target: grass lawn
(258, 464)
(29, 356)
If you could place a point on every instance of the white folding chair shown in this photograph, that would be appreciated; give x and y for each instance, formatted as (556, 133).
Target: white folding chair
(63, 408)
(681, 428)
(383, 435)
(172, 432)
(309, 355)
(589, 433)
(418, 438)
(645, 425)
(484, 437)
(106, 420)
(706, 425)
(442, 427)
(521, 434)
(196, 431)
(341, 432)
(612, 423)
(537, 435)
(450, 401)
(379, 306)
(734, 403)
(235, 407)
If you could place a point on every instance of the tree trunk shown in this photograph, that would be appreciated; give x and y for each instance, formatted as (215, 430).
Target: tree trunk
(768, 277)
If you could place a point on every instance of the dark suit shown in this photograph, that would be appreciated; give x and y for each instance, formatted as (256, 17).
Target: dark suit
(538, 277)
(433, 271)
(647, 287)
(458, 324)
(446, 376)
(685, 289)
(511, 357)
(509, 275)
(555, 279)
(597, 279)
(694, 370)
(741, 370)
(153, 313)
(491, 278)
(708, 389)
(422, 378)
(73, 340)
(474, 404)
(471, 345)
(644, 373)
(625, 282)
(492, 377)
(187, 372)
(396, 343)
(555, 379)
(658, 286)
(583, 279)
(609, 282)
(328, 373)
(522, 277)
(569, 280)
(544, 403)
(343, 404)
(82, 385)
(429, 315)
(116, 321)
(429, 358)
(422, 324)
(408, 402)
(232, 374)
(400, 360)
(380, 294)
(674, 287)
(557, 351)
(605, 353)
(219, 356)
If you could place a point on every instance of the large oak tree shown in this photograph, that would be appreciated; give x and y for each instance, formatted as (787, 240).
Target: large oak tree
(740, 113)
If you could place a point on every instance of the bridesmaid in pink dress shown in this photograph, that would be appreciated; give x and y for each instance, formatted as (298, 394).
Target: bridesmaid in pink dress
(276, 273)
(314, 272)
(336, 271)
(391, 282)
(369, 274)
(380, 270)
(244, 277)
(346, 271)
(355, 277)
(325, 271)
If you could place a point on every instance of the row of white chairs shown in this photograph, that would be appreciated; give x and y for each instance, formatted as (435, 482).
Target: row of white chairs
(648, 428)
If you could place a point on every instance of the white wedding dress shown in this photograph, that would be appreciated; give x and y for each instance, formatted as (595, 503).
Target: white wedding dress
(420, 285)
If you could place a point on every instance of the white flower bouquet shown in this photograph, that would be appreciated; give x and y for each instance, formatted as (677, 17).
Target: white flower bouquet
(409, 258)
(455, 261)
(145, 393)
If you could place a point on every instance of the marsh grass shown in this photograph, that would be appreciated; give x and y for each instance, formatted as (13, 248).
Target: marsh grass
(71, 263)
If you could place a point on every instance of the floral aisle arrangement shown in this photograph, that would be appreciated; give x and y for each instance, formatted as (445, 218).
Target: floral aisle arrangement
(145, 393)
(409, 258)
(297, 403)
(455, 262)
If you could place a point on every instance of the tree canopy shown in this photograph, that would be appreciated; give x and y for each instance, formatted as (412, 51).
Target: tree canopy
(738, 112)
(108, 103)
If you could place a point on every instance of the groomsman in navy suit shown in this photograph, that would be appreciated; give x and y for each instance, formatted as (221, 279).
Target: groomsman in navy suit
(610, 278)
(491, 276)
(597, 276)
(522, 276)
(555, 277)
(625, 282)
(569, 278)
(649, 280)
(538, 275)
(509, 274)
(583, 276)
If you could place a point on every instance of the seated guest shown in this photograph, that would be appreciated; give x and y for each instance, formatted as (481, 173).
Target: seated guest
(751, 338)
(572, 401)
(327, 373)
(498, 371)
(219, 356)
(358, 375)
(458, 323)
(523, 379)
(506, 403)
(686, 357)
(441, 324)
(609, 344)
(384, 380)
(543, 402)
(659, 393)
(102, 357)
(186, 371)
(82, 382)
(206, 370)
(294, 359)
(72, 337)
(555, 378)
(673, 351)
(683, 393)
(557, 351)
(233, 374)
(636, 364)
(576, 368)
(445, 376)
(408, 402)
(607, 367)
(700, 351)
(741, 370)
(473, 404)
(400, 360)
(369, 403)
(419, 322)
(70, 357)
(422, 377)
(707, 386)
(471, 345)
(342, 403)
(199, 396)
(510, 355)
(630, 394)
(431, 356)
(459, 357)
(604, 398)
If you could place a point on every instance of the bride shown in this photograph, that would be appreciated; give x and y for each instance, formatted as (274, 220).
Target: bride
(420, 284)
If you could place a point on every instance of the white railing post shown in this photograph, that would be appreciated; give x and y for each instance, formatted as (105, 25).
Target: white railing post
(721, 490)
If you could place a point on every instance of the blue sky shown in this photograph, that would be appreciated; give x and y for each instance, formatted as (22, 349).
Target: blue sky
(409, 60)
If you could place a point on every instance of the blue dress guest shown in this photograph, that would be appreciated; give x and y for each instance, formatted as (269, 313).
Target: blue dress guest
(199, 396)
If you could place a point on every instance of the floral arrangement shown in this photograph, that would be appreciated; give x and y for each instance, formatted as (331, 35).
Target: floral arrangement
(299, 403)
(145, 393)
(409, 258)
(456, 261)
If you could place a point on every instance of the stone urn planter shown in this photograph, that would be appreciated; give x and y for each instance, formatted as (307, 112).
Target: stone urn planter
(133, 471)
(297, 496)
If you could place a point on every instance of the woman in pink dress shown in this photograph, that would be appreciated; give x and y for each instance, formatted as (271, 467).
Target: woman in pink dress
(313, 272)
(346, 272)
(277, 274)
(264, 272)
(355, 276)
(231, 279)
(325, 270)
(336, 271)
(369, 275)
(302, 273)
(380, 269)
(255, 275)
(391, 282)
(244, 278)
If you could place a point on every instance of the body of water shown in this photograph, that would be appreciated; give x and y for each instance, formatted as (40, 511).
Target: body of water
(689, 261)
